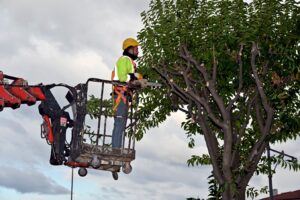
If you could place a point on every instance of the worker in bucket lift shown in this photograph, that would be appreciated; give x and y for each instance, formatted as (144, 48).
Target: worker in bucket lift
(124, 71)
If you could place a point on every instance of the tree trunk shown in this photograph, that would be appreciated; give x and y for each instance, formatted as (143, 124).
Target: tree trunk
(228, 194)
(241, 193)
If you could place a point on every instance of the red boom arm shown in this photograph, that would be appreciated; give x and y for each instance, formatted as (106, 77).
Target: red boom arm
(18, 92)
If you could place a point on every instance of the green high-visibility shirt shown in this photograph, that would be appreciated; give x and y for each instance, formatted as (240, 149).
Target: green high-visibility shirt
(124, 66)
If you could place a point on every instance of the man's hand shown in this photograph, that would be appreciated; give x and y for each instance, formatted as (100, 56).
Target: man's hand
(138, 76)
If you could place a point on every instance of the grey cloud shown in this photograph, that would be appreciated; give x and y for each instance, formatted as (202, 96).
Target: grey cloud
(86, 24)
(171, 145)
(115, 191)
(161, 172)
(290, 148)
(19, 145)
(15, 126)
(68, 28)
(22, 113)
(29, 181)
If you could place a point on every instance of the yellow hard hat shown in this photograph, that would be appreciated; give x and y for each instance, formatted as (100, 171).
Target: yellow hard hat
(130, 42)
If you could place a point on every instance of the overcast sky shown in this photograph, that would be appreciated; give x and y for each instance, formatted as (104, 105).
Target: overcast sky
(67, 41)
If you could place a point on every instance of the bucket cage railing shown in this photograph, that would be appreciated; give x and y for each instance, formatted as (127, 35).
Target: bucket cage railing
(89, 145)
(92, 131)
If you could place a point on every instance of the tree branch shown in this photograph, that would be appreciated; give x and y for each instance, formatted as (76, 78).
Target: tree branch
(265, 129)
(168, 81)
(226, 125)
(258, 116)
(209, 111)
(251, 166)
(214, 66)
(254, 53)
(212, 146)
(243, 129)
(188, 94)
(209, 83)
(240, 62)
(185, 54)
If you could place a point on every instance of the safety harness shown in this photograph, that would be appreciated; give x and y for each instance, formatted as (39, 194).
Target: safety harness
(120, 91)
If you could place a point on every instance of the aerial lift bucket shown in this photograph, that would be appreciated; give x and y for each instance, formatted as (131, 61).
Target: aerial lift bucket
(92, 149)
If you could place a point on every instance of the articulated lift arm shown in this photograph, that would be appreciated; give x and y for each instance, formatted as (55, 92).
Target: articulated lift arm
(18, 92)
(15, 91)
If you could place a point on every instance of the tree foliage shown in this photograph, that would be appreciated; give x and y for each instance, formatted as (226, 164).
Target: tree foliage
(234, 69)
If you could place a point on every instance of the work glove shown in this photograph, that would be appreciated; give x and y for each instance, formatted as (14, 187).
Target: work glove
(138, 76)
(135, 76)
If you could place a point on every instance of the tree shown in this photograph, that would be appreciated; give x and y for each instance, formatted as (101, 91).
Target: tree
(233, 68)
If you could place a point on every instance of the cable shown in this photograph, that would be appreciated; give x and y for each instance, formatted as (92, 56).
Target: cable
(72, 180)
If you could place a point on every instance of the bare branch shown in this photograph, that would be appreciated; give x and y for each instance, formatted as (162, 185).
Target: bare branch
(168, 81)
(240, 62)
(251, 166)
(265, 129)
(209, 83)
(188, 83)
(218, 100)
(254, 53)
(186, 94)
(259, 116)
(226, 126)
(203, 101)
(192, 93)
(243, 129)
(267, 107)
(183, 110)
(214, 66)
(210, 114)
(212, 146)
(184, 53)
(265, 67)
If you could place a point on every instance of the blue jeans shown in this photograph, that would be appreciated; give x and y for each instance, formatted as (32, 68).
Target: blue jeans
(119, 124)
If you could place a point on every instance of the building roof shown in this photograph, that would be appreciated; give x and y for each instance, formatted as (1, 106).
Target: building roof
(295, 195)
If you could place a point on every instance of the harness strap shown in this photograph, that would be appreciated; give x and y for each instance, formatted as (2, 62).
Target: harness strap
(120, 92)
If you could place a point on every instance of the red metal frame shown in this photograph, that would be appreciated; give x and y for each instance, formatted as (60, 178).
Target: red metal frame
(50, 135)
(77, 164)
(20, 92)
(9, 99)
(1, 104)
(17, 92)
(37, 93)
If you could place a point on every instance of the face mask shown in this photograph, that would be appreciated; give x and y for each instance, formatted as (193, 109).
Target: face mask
(127, 53)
